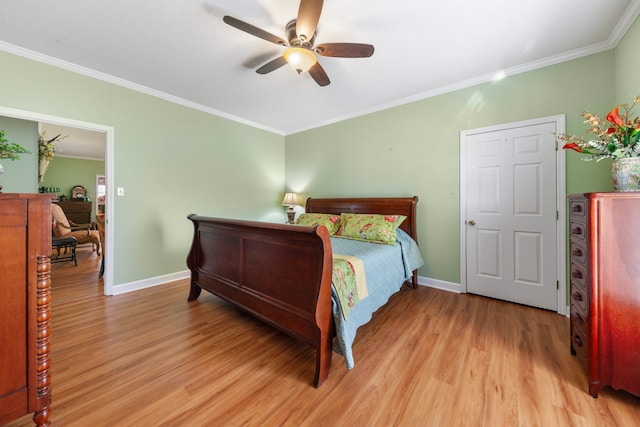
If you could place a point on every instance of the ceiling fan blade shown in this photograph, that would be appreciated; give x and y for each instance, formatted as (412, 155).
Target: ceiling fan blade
(255, 31)
(345, 50)
(272, 65)
(308, 17)
(319, 75)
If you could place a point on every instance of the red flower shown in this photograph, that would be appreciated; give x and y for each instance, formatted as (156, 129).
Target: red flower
(613, 117)
(611, 130)
(572, 146)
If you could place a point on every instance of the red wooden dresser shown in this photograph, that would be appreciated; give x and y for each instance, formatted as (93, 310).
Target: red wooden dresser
(604, 241)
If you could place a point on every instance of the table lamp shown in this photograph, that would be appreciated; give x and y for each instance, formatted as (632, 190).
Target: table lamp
(291, 200)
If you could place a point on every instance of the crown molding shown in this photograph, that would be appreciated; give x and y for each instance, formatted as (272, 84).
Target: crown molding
(69, 66)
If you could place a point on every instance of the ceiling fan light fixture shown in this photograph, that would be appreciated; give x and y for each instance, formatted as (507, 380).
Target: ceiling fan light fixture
(300, 59)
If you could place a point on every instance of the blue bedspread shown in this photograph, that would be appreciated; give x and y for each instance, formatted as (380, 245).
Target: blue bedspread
(386, 268)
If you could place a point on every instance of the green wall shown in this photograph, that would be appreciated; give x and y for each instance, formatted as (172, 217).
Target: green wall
(20, 176)
(65, 173)
(627, 66)
(414, 149)
(171, 160)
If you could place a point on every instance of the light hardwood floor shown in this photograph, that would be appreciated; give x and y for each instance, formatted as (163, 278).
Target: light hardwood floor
(428, 358)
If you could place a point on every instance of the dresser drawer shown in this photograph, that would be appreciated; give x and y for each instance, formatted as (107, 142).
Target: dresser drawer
(577, 208)
(579, 317)
(75, 206)
(579, 342)
(13, 213)
(579, 303)
(77, 212)
(578, 275)
(579, 336)
(578, 251)
(579, 299)
(577, 230)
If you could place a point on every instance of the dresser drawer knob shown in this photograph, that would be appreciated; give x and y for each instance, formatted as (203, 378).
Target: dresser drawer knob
(578, 318)
(576, 274)
(578, 340)
(576, 252)
(576, 208)
(577, 296)
(576, 230)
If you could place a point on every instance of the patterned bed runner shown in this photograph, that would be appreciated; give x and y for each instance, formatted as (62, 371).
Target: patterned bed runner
(349, 281)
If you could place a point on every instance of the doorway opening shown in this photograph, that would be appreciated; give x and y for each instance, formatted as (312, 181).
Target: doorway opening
(108, 133)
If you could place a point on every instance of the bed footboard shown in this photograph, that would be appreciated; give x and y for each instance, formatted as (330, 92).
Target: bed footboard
(279, 273)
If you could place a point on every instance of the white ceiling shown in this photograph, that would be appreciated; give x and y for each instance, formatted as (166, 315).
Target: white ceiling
(75, 142)
(182, 51)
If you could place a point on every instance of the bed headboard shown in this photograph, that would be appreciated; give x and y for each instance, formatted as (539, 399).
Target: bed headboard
(373, 205)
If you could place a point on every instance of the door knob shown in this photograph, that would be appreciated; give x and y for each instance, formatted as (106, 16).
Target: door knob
(471, 222)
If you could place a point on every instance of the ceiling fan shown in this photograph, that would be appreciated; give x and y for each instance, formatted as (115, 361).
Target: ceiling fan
(301, 52)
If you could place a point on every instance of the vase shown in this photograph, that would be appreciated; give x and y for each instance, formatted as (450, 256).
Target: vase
(43, 164)
(625, 174)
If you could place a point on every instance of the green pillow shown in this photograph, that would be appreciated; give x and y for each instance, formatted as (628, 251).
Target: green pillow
(332, 222)
(370, 227)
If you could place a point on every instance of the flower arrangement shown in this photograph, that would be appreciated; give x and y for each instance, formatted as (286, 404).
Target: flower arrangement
(10, 151)
(47, 147)
(616, 138)
(46, 152)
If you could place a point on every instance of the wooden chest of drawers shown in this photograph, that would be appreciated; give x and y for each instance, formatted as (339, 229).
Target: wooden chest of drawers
(76, 211)
(604, 245)
(25, 299)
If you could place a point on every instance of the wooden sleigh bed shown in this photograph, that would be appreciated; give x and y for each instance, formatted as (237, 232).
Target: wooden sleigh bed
(242, 263)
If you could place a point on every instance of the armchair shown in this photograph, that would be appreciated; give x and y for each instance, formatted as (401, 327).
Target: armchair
(62, 227)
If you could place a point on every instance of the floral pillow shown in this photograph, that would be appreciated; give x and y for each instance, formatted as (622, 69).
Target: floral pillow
(370, 227)
(332, 222)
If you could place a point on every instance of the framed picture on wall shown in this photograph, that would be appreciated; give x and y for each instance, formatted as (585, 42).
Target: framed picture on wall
(101, 194)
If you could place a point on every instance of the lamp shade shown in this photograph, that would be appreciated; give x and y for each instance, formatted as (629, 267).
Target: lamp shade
(290, 199)
(300, 59)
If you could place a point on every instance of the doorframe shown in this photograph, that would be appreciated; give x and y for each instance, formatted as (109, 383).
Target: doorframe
(109, 172)
(561, 197)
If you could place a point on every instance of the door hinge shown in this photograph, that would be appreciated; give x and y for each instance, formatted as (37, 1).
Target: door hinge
(557, 215)
(556, 145)
(557, 284)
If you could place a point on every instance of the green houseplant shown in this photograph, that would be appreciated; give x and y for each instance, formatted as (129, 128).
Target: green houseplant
(10, 151)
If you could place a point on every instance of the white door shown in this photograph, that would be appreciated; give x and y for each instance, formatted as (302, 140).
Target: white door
(510, 227)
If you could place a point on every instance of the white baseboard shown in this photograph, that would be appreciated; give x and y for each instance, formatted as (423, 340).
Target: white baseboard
(456, 287)
(185, 274)
(439, 284)
(150, 282)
